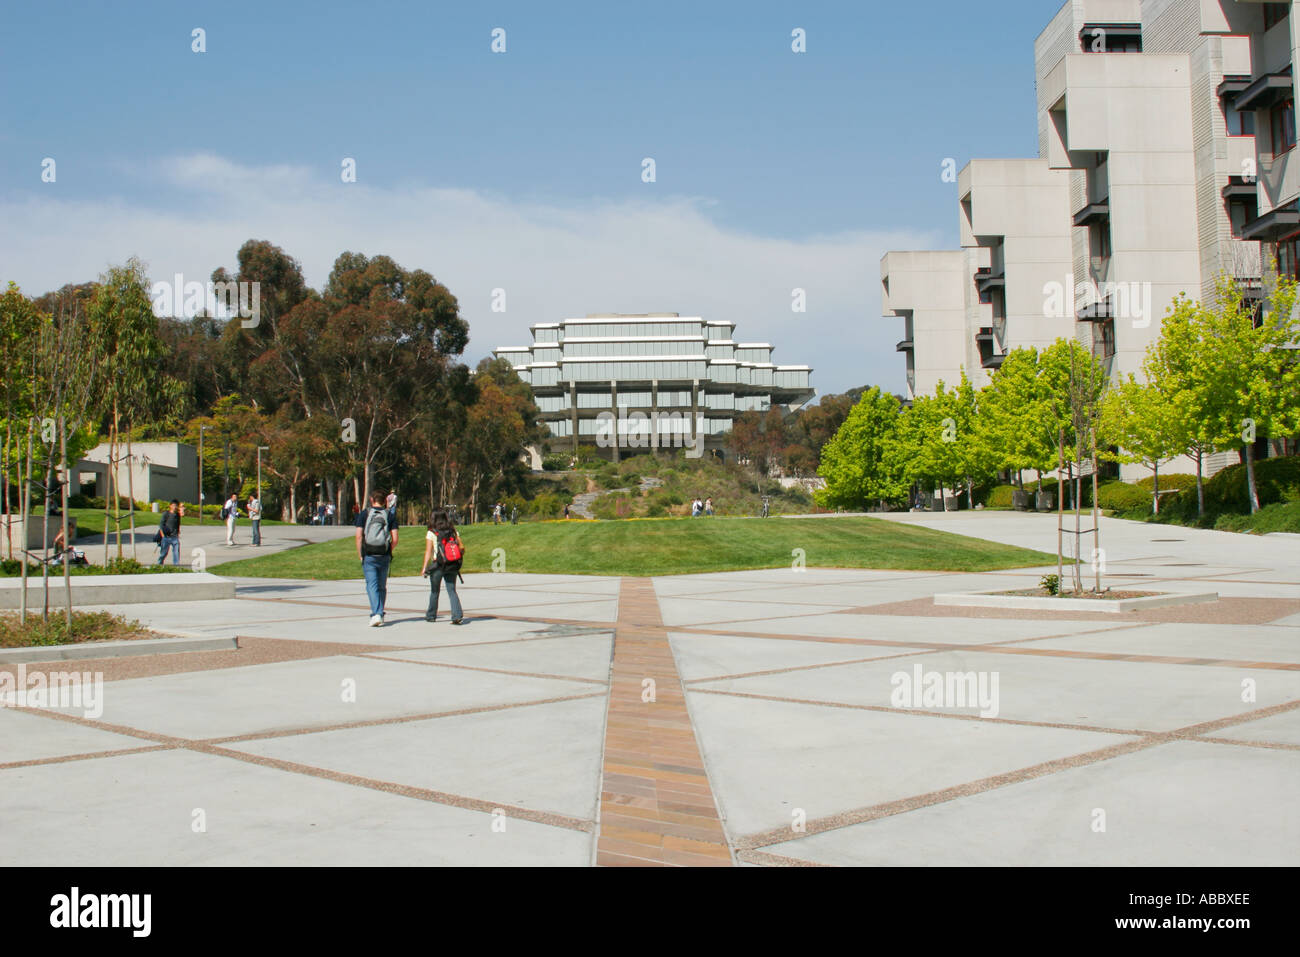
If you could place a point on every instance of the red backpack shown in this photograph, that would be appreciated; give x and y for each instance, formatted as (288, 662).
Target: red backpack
(449, 547)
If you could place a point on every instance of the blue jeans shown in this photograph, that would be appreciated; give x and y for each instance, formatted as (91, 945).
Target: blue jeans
(375, 568)
(173, 542)
(437, 578)
(257, 531)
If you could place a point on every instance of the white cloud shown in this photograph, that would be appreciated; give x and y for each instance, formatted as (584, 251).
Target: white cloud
(657, 254)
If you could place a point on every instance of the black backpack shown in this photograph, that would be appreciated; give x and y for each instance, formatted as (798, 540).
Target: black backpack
(375, 535)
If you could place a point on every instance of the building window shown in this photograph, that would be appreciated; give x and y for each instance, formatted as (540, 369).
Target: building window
(1282, 120)
(1239, 122)
(1240, 213)
(1105, 341)
(1288, 257)
(1275, 13)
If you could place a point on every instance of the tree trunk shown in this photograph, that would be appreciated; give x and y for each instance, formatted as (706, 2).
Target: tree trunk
(1096, 521)
(67, 573)
(1200, 485)
(6, 491)
(1250, 478)
(25, 499)
(130, 491)
(109, 472)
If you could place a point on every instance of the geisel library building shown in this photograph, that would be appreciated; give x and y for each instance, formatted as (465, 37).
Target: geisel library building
(656, 381)
(1166, 138)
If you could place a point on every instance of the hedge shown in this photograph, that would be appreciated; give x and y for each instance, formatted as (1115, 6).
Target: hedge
(1276, 480)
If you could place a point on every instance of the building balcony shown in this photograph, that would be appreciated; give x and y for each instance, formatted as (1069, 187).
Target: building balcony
(1093, 213)
(905, 346)
(1266, 91)
(1273, 225)
(1240, 190)
(1096, 311)
(1234, 86)
(986, 279)
(993, 362)
(1114, 37)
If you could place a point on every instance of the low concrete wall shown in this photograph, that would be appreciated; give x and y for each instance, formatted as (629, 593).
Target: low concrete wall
(119, 589)
(1112, 606)
(116, 649)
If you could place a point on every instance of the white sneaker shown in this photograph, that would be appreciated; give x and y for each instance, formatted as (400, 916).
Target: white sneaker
(376, 621)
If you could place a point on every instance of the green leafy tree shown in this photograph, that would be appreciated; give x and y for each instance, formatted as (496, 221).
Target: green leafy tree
(856, 463)
(1253, 369)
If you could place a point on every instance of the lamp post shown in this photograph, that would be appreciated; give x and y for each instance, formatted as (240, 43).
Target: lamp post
(202, 429)
(260, 450)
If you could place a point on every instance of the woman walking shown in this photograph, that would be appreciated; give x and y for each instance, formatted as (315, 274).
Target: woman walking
(442, 545)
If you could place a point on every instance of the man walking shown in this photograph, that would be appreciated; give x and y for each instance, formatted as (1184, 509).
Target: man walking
(255, 516)
(376, 539)
(170, 526)
(230, 512)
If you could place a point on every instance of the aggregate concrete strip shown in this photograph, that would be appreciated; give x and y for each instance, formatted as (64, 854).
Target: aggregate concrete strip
(656, 804)
(494, 616)
(774, 860)
(402, 719)
(116, 649)
(891, 808)
(213, 747)
(60, 759)
(1011, 647)
(918, 712)
(495, 671)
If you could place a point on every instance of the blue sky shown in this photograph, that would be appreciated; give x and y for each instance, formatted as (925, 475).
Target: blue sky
(520, 170)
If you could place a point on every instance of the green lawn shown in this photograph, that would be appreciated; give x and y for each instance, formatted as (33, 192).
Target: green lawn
(90, 521)
(678, 546)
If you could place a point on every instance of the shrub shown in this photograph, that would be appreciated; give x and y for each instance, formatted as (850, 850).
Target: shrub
(609, 480)
(1050, 584)
(1174, 480)
(999, 496)
(546, 505)
(1277, 480)
(1122, 497)
(555, 463)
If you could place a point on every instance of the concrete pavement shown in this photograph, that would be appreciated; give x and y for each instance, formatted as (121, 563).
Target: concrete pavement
(767, 717)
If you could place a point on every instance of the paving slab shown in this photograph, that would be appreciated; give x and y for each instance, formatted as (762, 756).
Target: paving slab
(908, 628)
(310, 693)
(140, 810)
(1187, 640)
(1184, 804)
(583, 656)
(542, 757)
(768, 758)
(1123, 695)
(33, 737)
(711, 656)
(1281, 728)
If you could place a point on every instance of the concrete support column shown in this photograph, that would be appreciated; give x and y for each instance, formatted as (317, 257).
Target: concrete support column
(654, 413)
(573, 412)
(613, 405)
(695, 409)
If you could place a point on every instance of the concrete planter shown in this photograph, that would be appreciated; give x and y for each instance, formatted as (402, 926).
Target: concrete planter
(1045, 501)
(1113, 607)
(1020, 500)
(118, 589)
